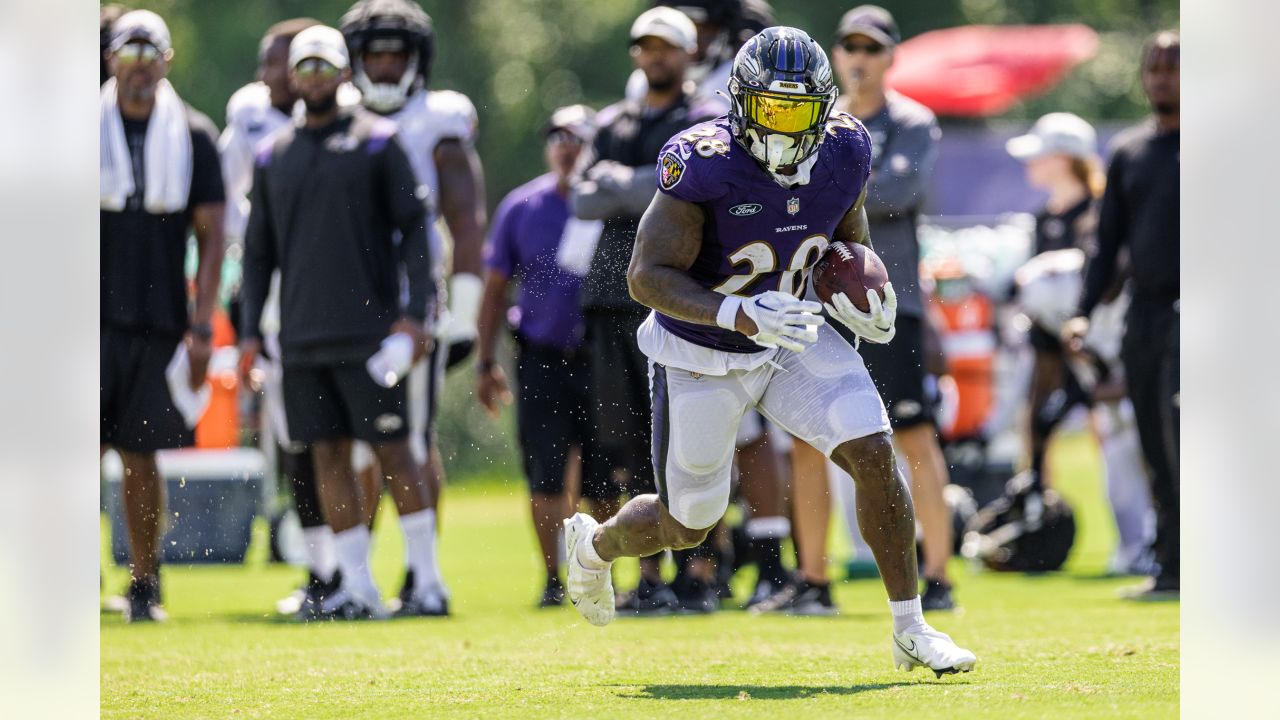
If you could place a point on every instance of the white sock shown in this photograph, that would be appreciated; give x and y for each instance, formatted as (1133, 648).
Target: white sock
(322, 557)
(768, 527)
(906, 614)
(587, 556)
(352, 547)
(420, 549)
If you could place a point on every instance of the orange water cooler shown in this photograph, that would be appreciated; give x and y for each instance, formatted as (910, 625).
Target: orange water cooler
(965, 319)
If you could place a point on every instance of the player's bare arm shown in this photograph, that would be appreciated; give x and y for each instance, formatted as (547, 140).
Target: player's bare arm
(853, 226)
(462, 202)
(667, 243)
(208, 221)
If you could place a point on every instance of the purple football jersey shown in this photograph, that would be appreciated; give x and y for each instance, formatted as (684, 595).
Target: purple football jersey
(759, 236)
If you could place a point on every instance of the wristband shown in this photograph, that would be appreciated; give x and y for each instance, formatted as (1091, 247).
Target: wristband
(484, 366)
(727, 316)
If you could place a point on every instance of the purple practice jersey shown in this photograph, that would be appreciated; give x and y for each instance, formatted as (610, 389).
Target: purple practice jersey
(759, 236)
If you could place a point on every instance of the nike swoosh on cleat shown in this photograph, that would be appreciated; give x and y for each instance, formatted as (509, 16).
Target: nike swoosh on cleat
(910, 651)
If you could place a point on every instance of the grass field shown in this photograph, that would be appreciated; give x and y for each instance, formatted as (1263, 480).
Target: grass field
(1057, 646)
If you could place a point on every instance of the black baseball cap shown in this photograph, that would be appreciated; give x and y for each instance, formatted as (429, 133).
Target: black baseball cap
(871, 20)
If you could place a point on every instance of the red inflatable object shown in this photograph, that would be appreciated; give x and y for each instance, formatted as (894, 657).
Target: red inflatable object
(980, 70)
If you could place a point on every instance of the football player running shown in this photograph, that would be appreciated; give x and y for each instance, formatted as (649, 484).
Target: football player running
(747, 203)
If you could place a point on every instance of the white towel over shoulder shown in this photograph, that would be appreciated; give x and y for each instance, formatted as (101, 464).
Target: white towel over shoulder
(167, 165)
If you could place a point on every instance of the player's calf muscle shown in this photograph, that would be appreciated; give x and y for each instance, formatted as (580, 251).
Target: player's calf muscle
(643, 527)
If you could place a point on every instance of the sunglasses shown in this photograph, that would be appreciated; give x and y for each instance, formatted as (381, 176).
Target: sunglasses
(853, 48)
(563, 137)
(312, 67)
(137, 52)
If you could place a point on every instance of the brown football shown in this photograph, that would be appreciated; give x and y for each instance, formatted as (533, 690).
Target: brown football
(852, 269)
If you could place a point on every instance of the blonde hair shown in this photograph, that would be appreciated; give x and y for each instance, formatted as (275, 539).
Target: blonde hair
(1088, 170)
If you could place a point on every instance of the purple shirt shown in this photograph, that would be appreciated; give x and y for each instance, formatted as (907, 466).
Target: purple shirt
(523, 240)
(759, 236)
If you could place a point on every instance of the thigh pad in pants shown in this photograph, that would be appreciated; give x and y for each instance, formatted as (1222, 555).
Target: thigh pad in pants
(695, 423)
(824, 395)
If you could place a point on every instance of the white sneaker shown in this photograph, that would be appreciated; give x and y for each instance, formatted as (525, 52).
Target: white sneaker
(590, 591)
(931, 649)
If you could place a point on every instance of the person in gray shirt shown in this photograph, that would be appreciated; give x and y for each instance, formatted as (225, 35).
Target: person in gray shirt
(904, 137)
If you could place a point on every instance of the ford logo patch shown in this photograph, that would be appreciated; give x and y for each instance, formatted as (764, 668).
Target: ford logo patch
(745, 209)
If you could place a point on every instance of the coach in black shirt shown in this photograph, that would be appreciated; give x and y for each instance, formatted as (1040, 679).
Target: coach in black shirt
(334, 206)
(159, 179)
(1140, 216)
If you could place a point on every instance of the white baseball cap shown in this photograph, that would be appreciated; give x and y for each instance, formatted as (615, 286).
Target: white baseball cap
(577, 119)
(1056, 133)
(140, 25)
(319, 41)
(668, 24)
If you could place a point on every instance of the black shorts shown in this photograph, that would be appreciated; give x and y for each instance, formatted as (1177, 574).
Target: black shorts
(136, 411)
(551, 416)
(898, 371)
(619, 408)
(340, 400)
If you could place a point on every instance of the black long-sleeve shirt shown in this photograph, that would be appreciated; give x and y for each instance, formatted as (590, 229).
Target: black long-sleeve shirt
(336, 209)
(1139, 212)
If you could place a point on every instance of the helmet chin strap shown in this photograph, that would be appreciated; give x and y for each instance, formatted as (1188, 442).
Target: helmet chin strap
(385, 97)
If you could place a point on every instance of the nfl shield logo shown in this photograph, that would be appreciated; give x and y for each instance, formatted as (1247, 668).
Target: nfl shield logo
(793, 206)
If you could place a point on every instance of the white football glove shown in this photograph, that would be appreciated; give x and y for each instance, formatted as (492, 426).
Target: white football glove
(783, 321)
(875, 326)
(459, 328)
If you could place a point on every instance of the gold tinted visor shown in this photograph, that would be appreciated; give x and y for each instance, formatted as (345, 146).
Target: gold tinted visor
(784, 113)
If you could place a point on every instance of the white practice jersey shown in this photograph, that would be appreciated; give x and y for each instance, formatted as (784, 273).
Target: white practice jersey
(250, 120)
(427, 118)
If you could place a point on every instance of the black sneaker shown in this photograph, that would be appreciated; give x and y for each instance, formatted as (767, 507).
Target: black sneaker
(341, 605)
(434, 603)
(315, 594)
(799, 597)
(143, 597)
(765, 588)
(937, 596)
(649, 599)
(552, 594)
(306, 599)
(699, 597)
(406, 590)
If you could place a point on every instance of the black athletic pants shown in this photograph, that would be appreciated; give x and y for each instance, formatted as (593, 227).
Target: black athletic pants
(1150, 355)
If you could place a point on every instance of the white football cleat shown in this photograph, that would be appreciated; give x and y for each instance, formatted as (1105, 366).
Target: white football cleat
(931, 649)
(590, 591)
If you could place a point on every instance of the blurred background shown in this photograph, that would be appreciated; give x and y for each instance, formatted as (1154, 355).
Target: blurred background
(519, 59)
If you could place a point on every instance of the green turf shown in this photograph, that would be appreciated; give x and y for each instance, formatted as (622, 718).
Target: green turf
(1055, 646)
